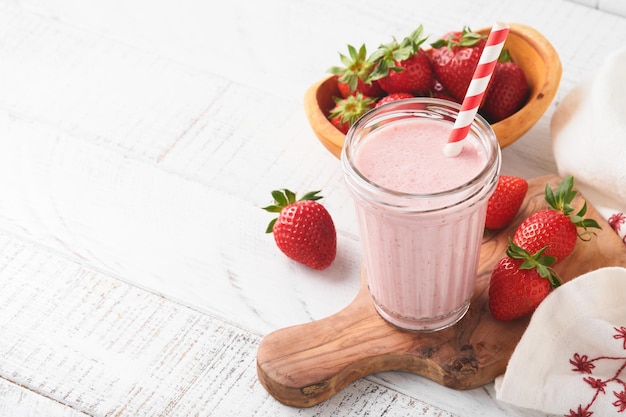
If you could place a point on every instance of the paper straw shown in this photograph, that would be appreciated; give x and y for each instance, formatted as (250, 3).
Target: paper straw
(476, 89)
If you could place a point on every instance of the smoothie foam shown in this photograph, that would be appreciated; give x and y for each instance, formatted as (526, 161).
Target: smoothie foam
(408, 157)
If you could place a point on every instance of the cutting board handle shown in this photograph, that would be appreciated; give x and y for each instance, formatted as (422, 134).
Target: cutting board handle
(305, 364)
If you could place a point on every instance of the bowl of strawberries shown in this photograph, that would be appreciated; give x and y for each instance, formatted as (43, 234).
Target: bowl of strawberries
(523, 84)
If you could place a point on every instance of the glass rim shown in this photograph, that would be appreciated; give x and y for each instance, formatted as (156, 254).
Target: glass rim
(412, 107)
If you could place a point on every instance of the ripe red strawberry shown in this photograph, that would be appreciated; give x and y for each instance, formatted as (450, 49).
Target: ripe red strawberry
(353, 76)
(437, 90)
(393, 97)
(507, 91)
(557, 227)
(505, 202)
(550, 229)
(348, 110)
(403, 67)
(520, 282)
(304, 230)
(454, 59)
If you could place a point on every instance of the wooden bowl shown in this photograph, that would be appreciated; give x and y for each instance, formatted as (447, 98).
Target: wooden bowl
(528, 48)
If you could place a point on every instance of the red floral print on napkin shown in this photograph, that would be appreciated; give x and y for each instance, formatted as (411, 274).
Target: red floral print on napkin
(584, 365)
(616, 221)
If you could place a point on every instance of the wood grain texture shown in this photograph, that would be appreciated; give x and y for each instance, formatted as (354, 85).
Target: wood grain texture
(79, 343)
(306, 364)
(19, 401)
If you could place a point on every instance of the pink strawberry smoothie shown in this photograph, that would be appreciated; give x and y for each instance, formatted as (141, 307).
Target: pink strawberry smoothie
(407, 157)
(421, 260)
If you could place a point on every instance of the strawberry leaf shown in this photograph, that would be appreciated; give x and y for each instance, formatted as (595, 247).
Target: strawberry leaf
(387, 55)
(283, 198)
(562, 197)
(505, 56)
(351, 108)
(270, 227)
(561, 200)
(467, 38)
(543, 271)
(273, 208)
(312, 195)
(549, 195)
(356, 66)
(538, 261)
(555, 280)
(402, 53)
(581, 213)
(280, 198)
(439, 43)
(290, 195)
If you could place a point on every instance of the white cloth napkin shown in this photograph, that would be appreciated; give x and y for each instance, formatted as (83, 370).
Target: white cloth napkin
(571, 359)
(588, 132)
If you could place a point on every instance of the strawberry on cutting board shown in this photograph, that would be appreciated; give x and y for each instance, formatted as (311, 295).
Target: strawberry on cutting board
(403, 67)
(505, 202)
(556, 227)
(519, 282)
(524, 277)
(304, 230)
(454, 58)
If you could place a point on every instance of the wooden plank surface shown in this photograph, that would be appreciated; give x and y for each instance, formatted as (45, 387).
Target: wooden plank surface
(19, 401)
(77, 342)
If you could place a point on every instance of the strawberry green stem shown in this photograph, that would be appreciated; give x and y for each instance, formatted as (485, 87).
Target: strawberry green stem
(467, 38)
(387, 55)
(561, 200)
(283, 198)
(542, 263)
(356, 66)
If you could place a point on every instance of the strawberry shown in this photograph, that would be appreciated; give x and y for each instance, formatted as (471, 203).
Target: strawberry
(354, 73)
(403, 67)
(437, 90)
(304, 230)
(520, 282)
(507, 91)
(548, 228)
(505, 202)
(348, 110)
(393, 97)
(557, 226)
(454, 59)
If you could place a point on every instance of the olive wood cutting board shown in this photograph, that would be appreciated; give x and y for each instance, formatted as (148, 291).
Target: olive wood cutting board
(306, 364)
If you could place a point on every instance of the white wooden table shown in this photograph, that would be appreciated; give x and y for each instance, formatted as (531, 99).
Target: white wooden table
(138, 141)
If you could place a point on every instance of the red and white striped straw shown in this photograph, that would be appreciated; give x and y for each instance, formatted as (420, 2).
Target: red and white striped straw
(476, 89)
